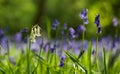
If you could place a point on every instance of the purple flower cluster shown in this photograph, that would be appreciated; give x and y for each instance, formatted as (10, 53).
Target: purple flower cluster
(1, 34)
(80, 28)
(52, 48)
(84, 16)
(97, 22)
(72, 33)
(62, 59)
(115, 21)
(3, 40)
(64, 28)
(55, 24)
(25, 30)
(115, 42)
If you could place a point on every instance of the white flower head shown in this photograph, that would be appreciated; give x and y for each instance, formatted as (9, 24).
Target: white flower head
(35, 32)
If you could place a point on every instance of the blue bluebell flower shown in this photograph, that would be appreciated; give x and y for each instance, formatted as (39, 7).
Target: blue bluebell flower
(1, 33)
(64, 45)
(24, 30)
(18, 37)
(115, 22)
(55, 24)
(62, 59)
(35, 47)
(61, 64)
(83, 14)
(45, 46)
(53, 48)
(115, 42)
(64, 26)
(80, 28)
(85, 21)
(97, 20)
(3, 43)
(107, 43)
(70, 45)
(85, 45)
(72, 32)
(93, 52)
(99, 31)
(39, 41)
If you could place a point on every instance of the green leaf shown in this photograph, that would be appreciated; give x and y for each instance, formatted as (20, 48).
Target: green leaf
(42, 60)
(2, 70)
(48, 28)
(81, 53)
(104, 60)
(89, 57)
(76, 61)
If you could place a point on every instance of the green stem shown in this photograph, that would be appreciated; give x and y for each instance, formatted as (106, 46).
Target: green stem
(104, 61)
(40, 53)
(65, 71)
(89, 57)
(82, 51)
(83, 34)
(96, 55)
(40, 62)
(96, 47)
(55, 47)
(116, 30)
(55, 58)
(28, 57)
(8, 50)
(8, 54)
(74, 68)
(48, 57)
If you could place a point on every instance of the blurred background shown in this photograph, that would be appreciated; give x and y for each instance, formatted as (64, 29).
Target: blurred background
(18, 14)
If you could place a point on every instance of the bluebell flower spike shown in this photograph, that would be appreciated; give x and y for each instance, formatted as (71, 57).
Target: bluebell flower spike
(55, 24)
(115, 21)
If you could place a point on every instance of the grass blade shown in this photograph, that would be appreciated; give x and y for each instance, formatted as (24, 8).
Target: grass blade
(76, 61)
(89, 57)
(40, 59)
(2, 70)
(104, 60)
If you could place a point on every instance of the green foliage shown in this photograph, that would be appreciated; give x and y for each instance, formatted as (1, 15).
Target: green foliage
(19, 14)
(89, 57)
(16, 14)
(23, 13)
(39, 63)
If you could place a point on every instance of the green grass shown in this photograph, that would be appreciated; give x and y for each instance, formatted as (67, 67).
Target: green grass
(44, 64)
